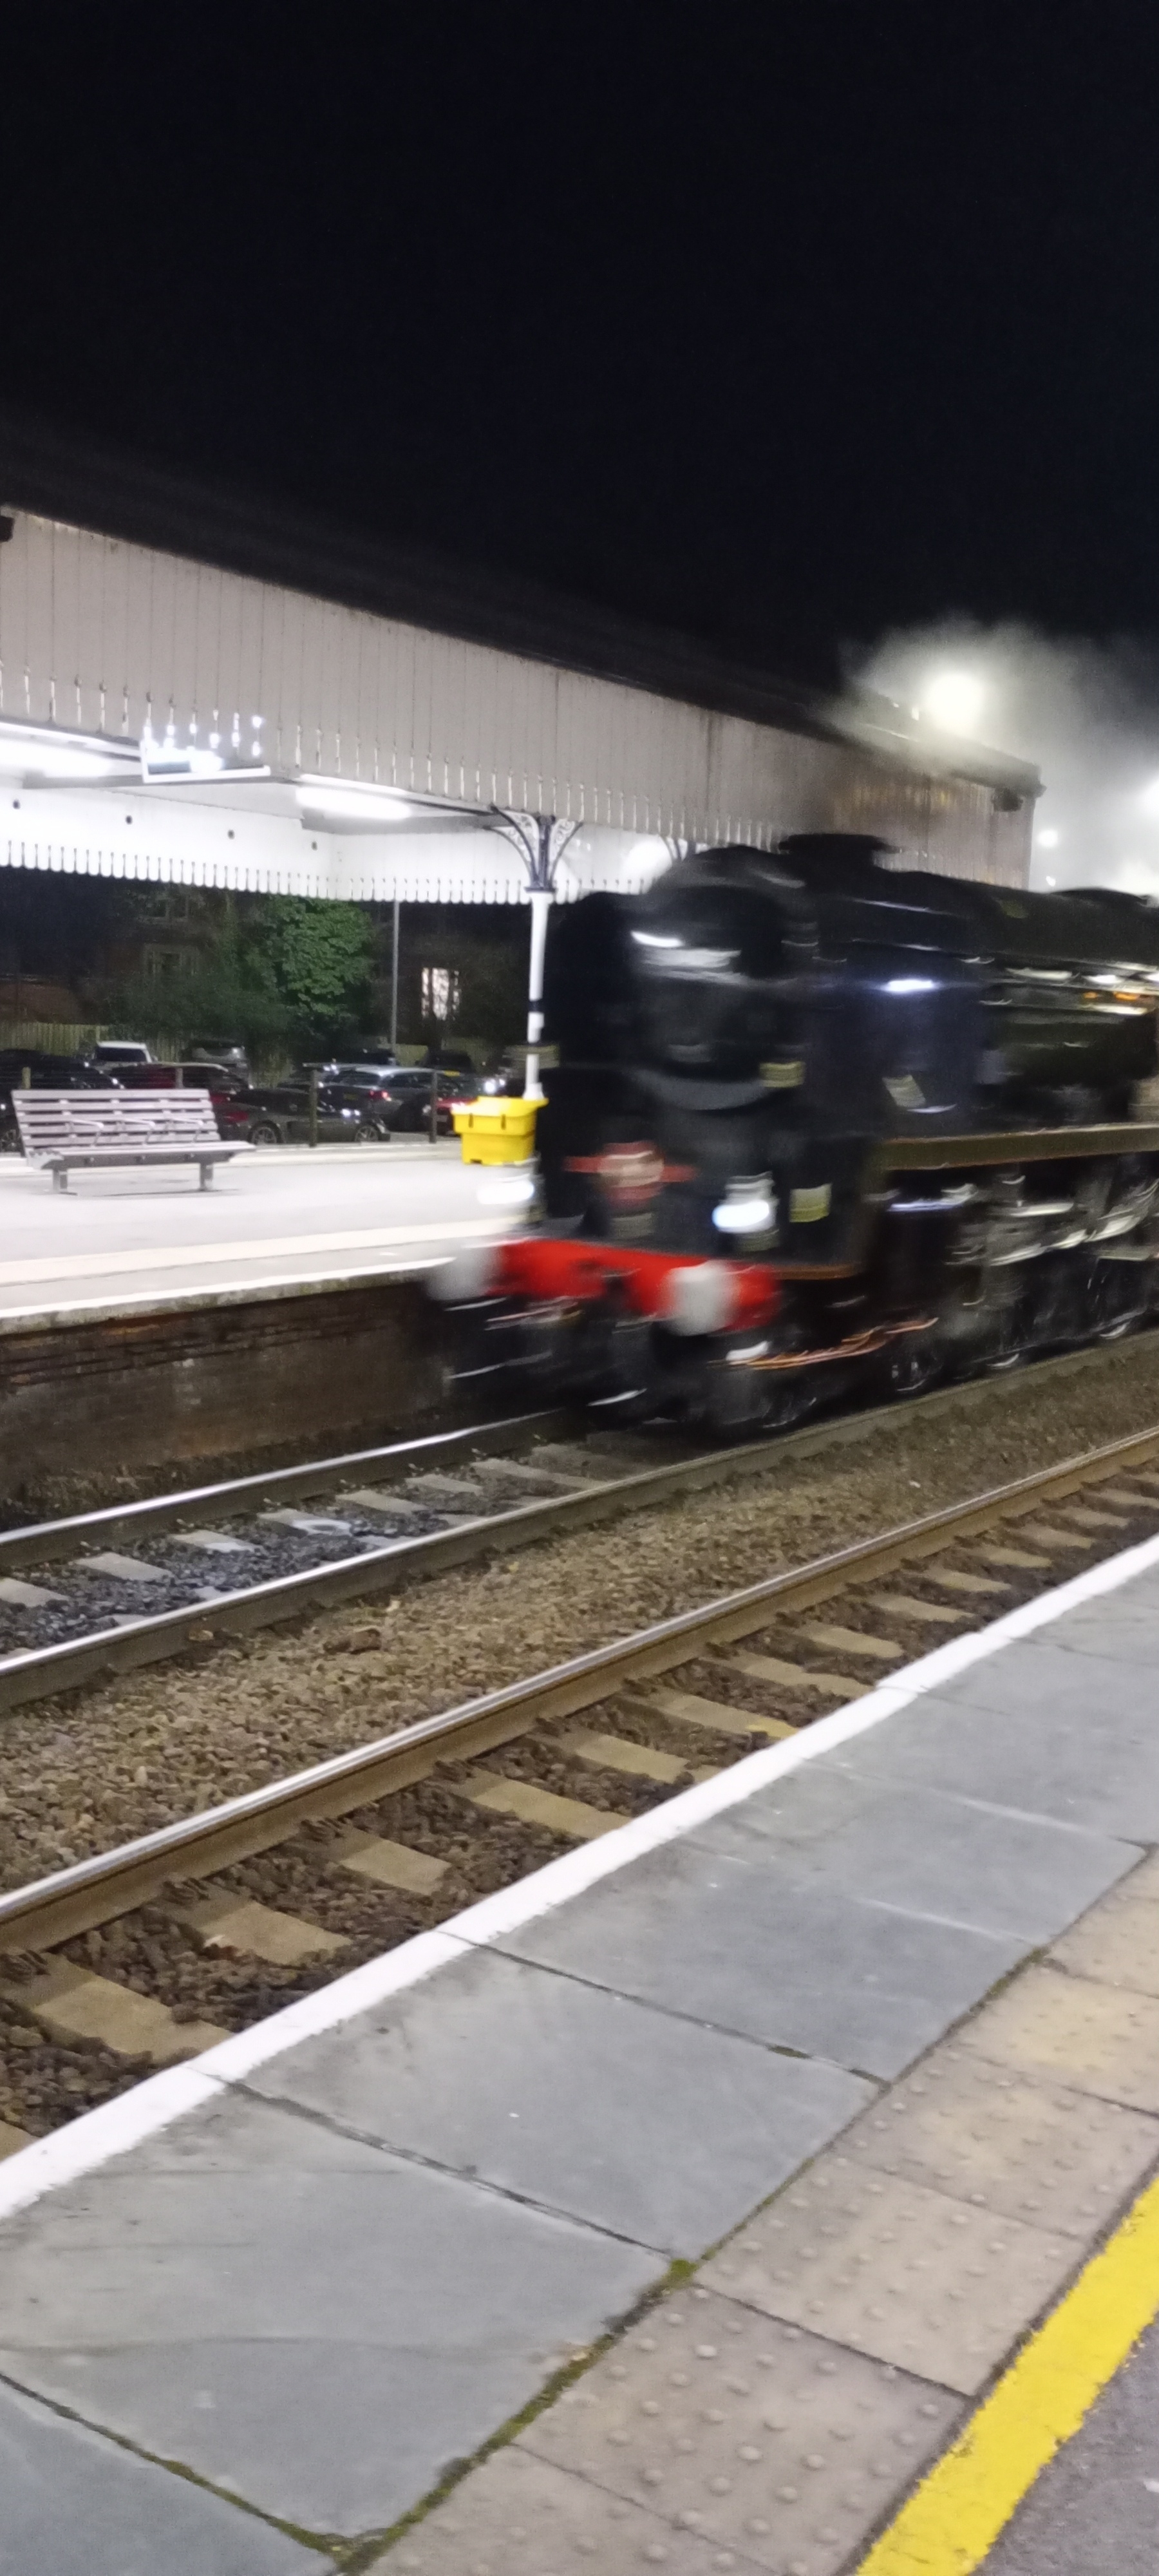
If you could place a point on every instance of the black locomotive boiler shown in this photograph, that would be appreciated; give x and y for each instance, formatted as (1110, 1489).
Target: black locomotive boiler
(815, 1113)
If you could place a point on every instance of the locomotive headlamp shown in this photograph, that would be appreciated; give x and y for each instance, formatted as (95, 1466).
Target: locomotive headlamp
(750, 1212)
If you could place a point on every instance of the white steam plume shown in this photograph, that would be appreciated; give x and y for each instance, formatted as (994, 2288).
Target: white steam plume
(1087, 714)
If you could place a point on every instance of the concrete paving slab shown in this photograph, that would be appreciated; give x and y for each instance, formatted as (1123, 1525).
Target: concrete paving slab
(953, 1858)
(749, 1947)
(1126, 1631)
(296, 2315)
(1095, 2507)
(576, 2099)
(523, 2517)
(1029, 1737)
(1088, 2035)
(765, 2439)
(75, 2504)
(911, 2276)
(1022, 2146)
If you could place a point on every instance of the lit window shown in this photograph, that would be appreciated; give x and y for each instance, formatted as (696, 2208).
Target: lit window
(440, 992)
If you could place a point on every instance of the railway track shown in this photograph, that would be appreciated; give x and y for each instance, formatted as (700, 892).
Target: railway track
(149, 1952)
(105, 1592)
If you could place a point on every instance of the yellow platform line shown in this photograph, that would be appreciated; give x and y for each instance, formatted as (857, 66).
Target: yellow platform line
(954, 2517)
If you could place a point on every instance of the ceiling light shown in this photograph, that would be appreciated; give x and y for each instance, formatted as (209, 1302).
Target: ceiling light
(344, 801)
(40, 753)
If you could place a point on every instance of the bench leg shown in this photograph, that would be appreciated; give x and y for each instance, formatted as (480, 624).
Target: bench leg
(60, 1180)
(207, 1176)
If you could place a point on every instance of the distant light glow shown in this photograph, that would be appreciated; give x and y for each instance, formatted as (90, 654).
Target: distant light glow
(1048, 840)
(954, 699)
(1149, 799)
(911, 984)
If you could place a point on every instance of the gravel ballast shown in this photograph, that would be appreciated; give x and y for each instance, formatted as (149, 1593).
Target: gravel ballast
(82, 1773)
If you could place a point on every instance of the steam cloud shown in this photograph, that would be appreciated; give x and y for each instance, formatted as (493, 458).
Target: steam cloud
(1087, 714)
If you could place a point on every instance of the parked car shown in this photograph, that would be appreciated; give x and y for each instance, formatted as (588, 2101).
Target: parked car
(452, 1059)
(218, 1079)
(278, 1113)
(112, 1052)
(397, 1097)
(225, 1051)
(508, 1077)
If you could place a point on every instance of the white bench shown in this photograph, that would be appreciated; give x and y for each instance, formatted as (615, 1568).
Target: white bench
(67, 1131)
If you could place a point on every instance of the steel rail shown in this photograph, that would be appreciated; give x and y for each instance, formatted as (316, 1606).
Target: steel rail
(39, 1542)
(87, 1893)
(40, 1672)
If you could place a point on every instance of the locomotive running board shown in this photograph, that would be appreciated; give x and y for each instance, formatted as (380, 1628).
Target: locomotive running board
(1026, 1145)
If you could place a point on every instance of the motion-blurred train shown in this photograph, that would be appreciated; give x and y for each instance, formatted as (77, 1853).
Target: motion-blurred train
(815, 1114)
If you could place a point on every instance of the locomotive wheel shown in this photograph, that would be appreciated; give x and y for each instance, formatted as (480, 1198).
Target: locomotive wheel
(911, 1366)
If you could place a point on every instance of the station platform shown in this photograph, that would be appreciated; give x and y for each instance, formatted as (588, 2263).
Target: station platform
(678, 2207)
(122, 1240)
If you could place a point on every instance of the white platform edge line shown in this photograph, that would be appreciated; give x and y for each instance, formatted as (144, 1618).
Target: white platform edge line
(207, 1289)
(97, 2136)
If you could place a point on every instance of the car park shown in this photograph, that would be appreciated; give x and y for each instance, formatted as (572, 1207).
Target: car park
(398, 1097)
(279, 1113)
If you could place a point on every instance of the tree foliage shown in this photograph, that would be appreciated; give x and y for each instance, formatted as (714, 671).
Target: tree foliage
(317, 957)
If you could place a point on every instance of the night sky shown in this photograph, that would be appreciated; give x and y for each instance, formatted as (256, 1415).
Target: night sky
(783, 324)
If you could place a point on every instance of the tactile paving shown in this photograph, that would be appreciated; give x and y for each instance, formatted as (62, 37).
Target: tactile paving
(755, 2435)
(910, 2275)
(1095, 2037)
(1020, 2146)
(520, 2516)
(1116, 1945)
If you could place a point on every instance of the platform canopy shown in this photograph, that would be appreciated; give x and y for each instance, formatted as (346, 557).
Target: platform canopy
(196, 691)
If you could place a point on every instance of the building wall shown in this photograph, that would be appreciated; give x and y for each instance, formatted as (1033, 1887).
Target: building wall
(113, 638)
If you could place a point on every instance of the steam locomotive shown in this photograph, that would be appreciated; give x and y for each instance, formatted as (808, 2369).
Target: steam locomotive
(814, 1114)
